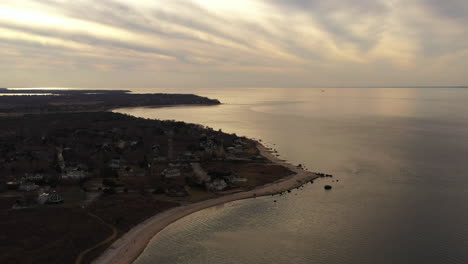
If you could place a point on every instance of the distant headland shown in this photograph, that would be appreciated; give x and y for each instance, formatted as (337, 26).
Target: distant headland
(20, 101)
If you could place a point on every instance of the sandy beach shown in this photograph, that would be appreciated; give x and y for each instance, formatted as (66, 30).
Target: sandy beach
(127, 249)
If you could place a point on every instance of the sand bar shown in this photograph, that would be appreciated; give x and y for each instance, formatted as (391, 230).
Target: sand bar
(126, 249)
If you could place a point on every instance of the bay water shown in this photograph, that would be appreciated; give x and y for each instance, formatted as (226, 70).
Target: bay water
(400, 156)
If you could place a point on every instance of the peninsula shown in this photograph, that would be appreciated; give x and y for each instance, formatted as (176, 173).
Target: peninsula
(58, 101)
(75, 179)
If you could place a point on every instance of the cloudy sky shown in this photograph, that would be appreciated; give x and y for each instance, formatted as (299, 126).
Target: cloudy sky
(233, 43)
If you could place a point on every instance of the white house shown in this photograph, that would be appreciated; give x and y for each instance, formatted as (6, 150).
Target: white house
(28, 187)
(216, 185)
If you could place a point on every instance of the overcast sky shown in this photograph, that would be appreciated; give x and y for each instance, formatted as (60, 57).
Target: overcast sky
(233, 43)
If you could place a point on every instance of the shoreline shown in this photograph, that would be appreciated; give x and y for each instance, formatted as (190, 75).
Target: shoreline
(64, 101)
(97, 110)
(129, 247)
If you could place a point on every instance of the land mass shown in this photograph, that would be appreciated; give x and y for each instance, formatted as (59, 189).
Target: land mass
(75, 180)
(23, 101)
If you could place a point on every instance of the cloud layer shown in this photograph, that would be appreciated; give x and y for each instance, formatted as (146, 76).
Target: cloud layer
(210, 43)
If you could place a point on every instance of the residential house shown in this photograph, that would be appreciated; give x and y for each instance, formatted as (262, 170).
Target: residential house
(172, 172)
(37, 177)
(114, 164)
(74, 173)
(216, 185)
(28, 187)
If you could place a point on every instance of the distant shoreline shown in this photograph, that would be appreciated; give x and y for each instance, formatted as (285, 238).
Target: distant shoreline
(62, 101)
(132, 244)
(114, 110)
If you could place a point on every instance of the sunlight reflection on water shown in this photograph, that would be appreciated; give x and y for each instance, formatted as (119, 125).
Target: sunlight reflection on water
(399, 155)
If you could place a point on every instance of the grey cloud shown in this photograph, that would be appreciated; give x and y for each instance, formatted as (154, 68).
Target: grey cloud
(126, 17)
(440, 39)
(362, 6)
(113, 13)
(33, 49)
(49, 57)
(323, 12)
(451, 9)
(207, 60)
(90, 40)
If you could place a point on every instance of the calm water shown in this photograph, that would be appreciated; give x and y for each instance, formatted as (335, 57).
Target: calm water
(401, 157)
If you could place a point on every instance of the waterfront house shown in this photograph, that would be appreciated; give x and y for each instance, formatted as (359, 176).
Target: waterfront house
(37, 177)
(216, 185)
(171, 172)
(28, 187)
(233, 179)
(236, 149)
(239, 141)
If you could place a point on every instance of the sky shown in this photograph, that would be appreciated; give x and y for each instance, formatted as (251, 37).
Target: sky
(233, 43)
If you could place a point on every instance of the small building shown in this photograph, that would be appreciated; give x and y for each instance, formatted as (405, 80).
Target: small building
(74, 174)
(28, 187)
(236, 149)
(239, 141)
(171, 172)
(114, 164)
(208, 144)
(121, 144)
(216, 185)
(233, 179)
(37, 177)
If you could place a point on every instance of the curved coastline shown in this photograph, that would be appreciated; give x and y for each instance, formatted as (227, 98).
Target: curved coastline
(128, 248)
